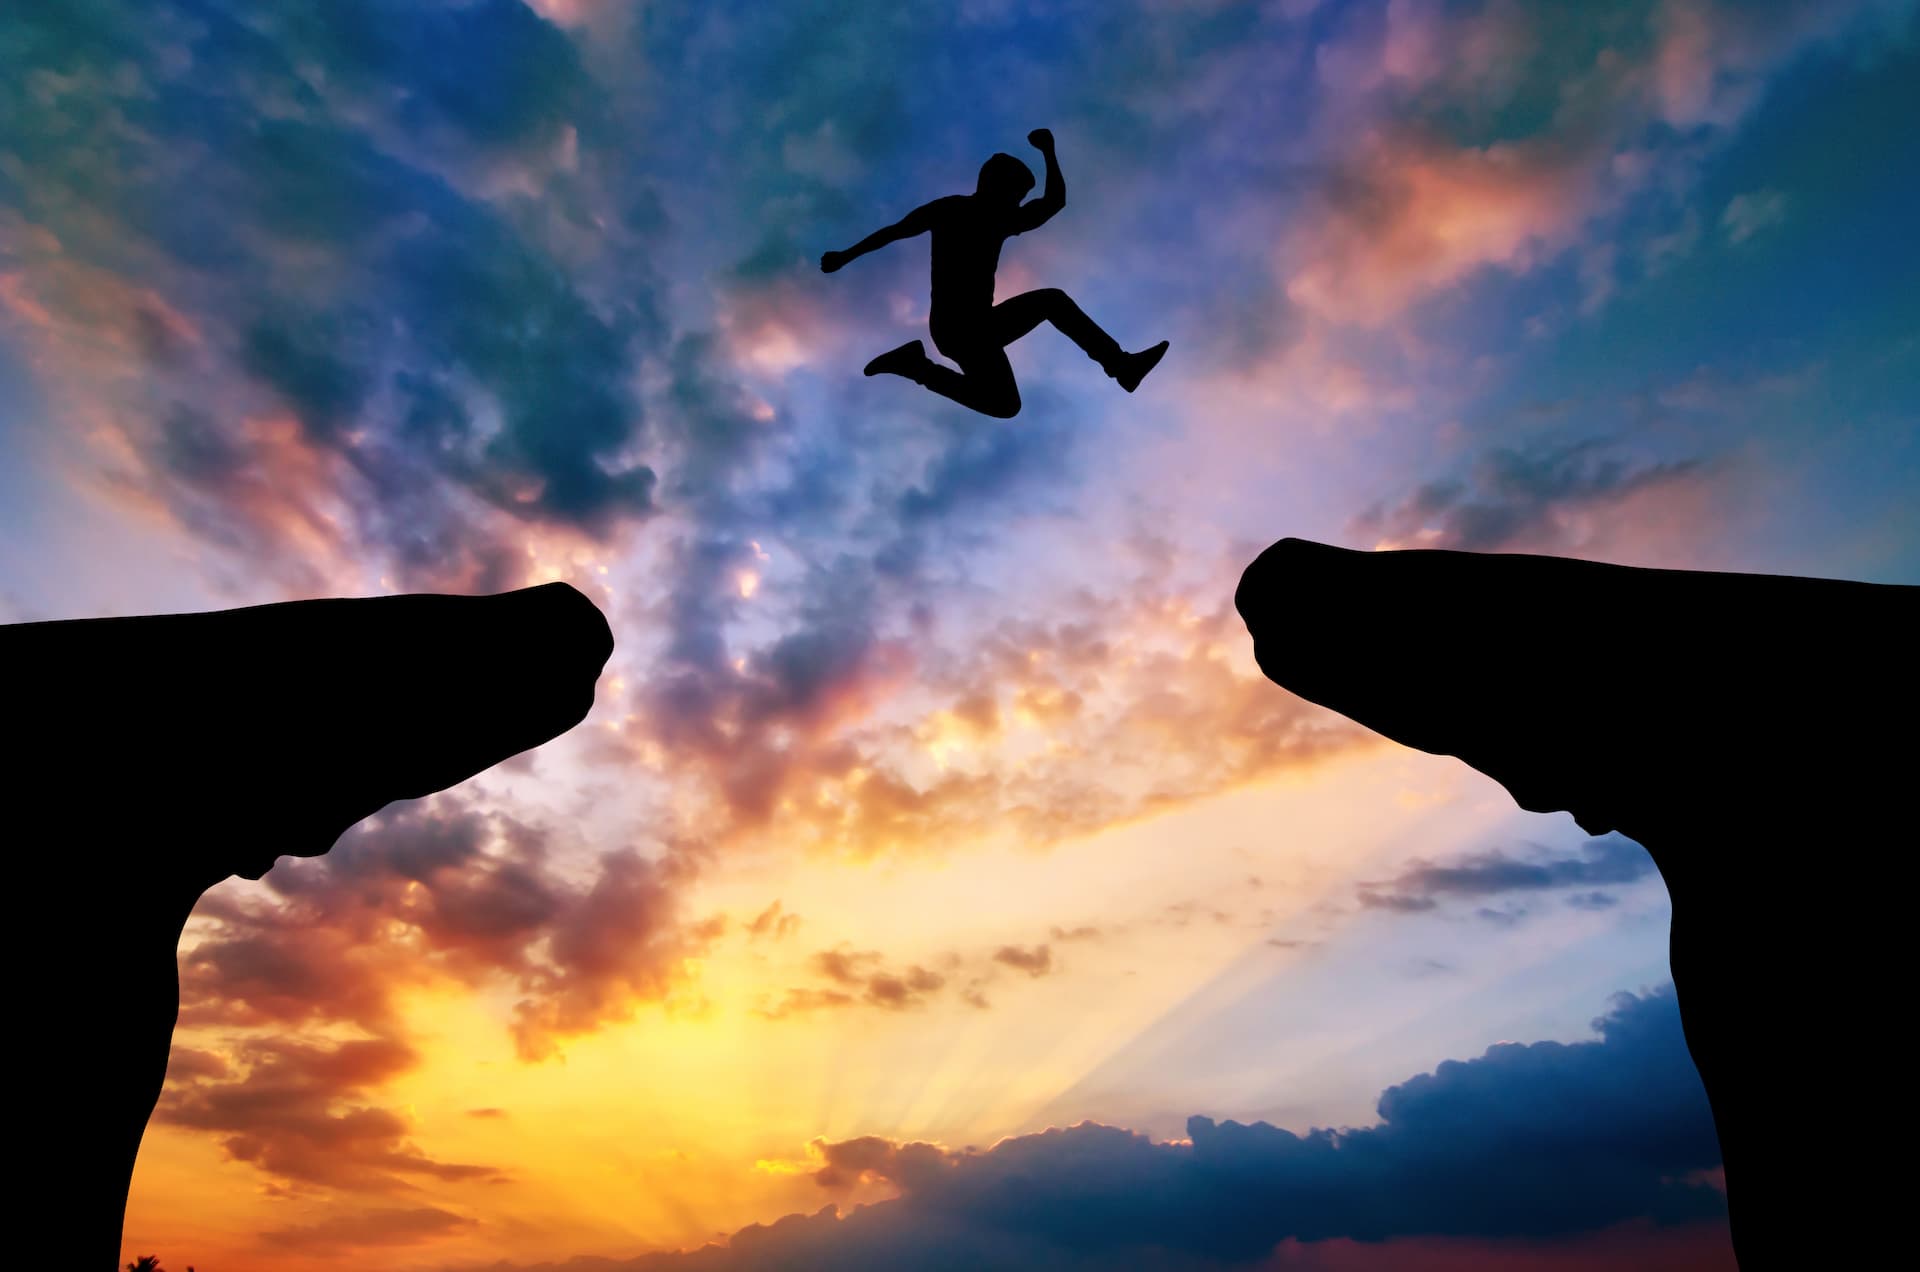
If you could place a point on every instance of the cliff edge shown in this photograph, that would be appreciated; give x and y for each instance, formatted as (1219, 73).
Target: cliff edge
(155, 756)
(1754, 732)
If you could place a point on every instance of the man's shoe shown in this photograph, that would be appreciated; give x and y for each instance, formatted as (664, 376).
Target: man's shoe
(905, 360)
(1133, 367)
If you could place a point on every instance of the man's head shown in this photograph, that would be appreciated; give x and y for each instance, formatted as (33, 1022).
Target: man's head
(1004, 179)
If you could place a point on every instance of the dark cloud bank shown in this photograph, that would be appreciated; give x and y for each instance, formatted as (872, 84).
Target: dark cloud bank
(1544, 1144)
(1608, 861)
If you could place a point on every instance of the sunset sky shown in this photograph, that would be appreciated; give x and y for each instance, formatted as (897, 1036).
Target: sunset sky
(936, 870)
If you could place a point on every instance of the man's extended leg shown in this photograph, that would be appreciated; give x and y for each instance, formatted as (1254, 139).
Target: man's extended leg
(984, 383)
(1017, 315)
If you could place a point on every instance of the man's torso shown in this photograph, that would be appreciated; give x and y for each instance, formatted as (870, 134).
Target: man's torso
(966, 252)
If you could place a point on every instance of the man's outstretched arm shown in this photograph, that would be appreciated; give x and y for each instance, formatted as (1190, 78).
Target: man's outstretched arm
(1053, 197)
(918, 221)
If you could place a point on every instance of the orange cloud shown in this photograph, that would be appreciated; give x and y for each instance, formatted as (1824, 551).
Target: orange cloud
(297, 1114)
(1410, 216)
(1036, 732)
(439, 894)
(862, 976)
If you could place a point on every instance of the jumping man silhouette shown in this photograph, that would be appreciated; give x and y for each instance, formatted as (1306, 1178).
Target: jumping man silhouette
(968, 231)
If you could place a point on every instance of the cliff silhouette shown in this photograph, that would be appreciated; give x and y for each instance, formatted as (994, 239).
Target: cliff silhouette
(1755, 734)
(155, 756)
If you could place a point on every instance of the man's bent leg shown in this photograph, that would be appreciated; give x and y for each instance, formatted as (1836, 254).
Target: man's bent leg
(984, 383)
(1017, 315)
